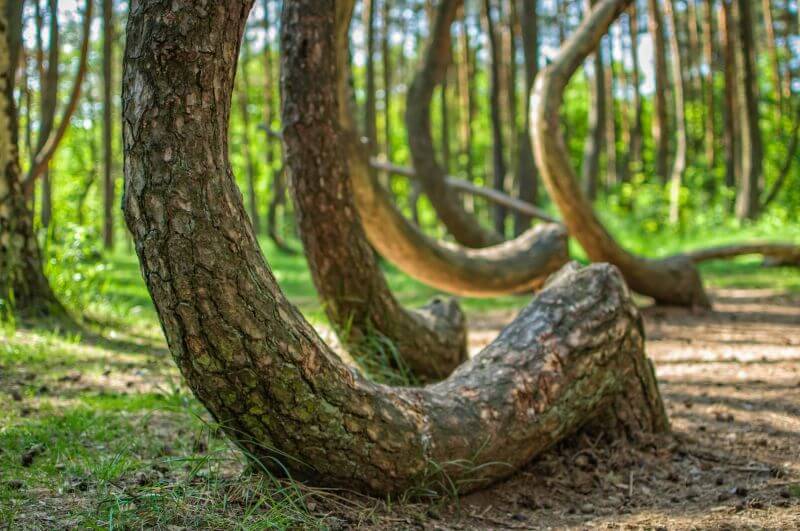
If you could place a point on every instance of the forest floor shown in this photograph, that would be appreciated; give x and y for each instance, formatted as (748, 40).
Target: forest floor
(97, 431)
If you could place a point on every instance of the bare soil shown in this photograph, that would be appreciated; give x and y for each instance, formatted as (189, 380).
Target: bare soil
(730, 379)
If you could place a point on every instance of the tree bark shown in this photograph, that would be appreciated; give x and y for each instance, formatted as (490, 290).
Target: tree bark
(498, 160)
(731, 133)
(526, 166)
(638, 128)
(672, 280)
(108, 125)
(679, 164)
(465, 228)
(24, 289)
(48, 104)
(516, 266)
(710, 111)
(260, 368)
(772, 49)
(752, 150)
(660, 128)
(277, 198)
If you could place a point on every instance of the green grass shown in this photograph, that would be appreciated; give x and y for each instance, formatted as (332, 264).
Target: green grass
(115, 440)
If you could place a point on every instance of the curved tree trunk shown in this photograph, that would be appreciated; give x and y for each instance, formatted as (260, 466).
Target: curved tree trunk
(673, 280)
(464, 227)
(353, 290)
(516, 266)
(260, 368)
(24, 289)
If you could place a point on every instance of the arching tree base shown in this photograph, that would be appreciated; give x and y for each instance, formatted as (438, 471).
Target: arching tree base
(574, 354)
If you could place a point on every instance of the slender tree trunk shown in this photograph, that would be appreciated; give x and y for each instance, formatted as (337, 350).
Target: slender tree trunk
(48, 104)
(277, 197)
(772, 49)
(593, 146)
(526, 166)
(731, 134)
(465, 75)
(752, 151)
(638, 126)
(498, 160)
(108, 125)
(244, 95)
(710, 110)
(610, 124)
(257, 364)
(694, 54)
(679, 164)
(660, 121)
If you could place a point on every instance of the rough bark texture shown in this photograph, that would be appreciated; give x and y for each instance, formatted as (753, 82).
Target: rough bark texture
(250, 357)
(464, 227)
(673, 280)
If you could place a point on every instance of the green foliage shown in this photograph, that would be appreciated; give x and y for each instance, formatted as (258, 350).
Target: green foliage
(75, 265)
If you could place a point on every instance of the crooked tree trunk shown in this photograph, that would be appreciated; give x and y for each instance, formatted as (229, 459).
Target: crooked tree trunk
(673, 280)
(24, 290)
(464, 227)
(516, 266)
(352, 288)
(260, 368)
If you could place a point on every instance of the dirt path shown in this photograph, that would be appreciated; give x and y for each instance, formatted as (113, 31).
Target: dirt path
(731, 382)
